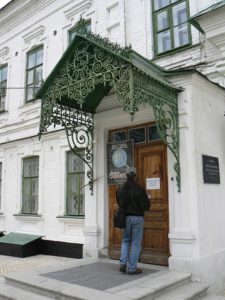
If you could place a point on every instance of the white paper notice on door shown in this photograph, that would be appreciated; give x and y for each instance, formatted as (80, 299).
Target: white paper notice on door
(153, 183)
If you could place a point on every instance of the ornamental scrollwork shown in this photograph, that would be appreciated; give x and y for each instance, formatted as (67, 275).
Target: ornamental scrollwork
(79, 127)
(167, 128)
(165, 109)
(102, 41)
(87, 68)
(95, 63)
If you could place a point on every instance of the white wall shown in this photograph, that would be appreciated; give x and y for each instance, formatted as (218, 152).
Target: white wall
(183, 233)
(209, 106)
(52, 191)
(197, 239)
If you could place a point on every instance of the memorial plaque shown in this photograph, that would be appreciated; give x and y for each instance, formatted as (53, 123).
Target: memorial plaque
(211, 172)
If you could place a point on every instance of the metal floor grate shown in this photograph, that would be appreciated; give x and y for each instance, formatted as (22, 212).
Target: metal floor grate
(100, 275)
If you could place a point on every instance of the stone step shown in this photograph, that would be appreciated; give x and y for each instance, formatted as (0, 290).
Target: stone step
(7, 292)
(54, 289)
(151, 288)
(213, 297)
(189, 291)
(168, 285)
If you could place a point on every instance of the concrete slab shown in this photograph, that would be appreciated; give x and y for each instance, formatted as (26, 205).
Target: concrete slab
(132, 287)
(29, 279)
(191, 290)
(97, 275)
(213, 297)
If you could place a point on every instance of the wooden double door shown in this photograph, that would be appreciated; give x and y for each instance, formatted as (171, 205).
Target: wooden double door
(151, 162)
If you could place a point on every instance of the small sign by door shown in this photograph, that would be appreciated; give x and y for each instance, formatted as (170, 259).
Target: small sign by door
(153, 183)
(211, 171)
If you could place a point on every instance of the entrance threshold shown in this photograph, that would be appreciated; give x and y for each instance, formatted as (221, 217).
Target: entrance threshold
(63, 281)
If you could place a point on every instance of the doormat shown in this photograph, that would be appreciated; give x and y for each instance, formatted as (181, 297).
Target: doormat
(100, 276)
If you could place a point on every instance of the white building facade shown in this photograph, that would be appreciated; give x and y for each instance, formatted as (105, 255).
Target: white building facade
(44, 186)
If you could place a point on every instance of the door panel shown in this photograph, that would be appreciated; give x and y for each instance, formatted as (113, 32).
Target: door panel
(114, 233)
(151, 162)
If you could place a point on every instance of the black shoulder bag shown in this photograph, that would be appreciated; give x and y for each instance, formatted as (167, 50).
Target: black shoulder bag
(119, 219)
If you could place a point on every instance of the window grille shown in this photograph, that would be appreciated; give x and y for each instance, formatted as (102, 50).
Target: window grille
(75, 200)
(34, 72)
(72, 32)
(30, 185)
(3, 86)
(171, 27)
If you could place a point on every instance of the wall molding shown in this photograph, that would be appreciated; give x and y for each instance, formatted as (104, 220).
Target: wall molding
(4, 51)
(80, 7)
(33, 34)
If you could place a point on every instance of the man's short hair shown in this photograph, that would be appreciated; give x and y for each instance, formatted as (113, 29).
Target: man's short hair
(131, 171)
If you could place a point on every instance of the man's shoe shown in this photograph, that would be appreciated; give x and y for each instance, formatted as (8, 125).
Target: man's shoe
(136, 272)
(123, 268)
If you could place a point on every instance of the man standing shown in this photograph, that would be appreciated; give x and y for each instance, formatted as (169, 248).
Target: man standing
(133, 201)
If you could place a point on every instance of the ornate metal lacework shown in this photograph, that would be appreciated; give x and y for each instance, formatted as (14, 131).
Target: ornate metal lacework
(93, 64)
(89, 67)
(103, 42)
(165, 109)
(79, 128)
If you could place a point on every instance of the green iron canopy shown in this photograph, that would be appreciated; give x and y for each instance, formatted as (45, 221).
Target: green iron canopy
(89, 68)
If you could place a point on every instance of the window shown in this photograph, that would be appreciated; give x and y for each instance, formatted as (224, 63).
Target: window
(0, 184)
(119, 136)
(75, 200)
(72, 33)
(34, 72)
(171, 29)
(137, 134)
(141, 134)
(30, 185)
(3, 86)
(153, 134)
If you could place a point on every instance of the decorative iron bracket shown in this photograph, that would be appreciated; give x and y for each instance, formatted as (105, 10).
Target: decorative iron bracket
(89, 68)
(164, 103)
(167, 128)
(79, 127)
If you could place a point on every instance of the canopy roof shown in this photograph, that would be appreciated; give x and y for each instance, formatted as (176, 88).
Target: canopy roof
(80, 62)
(89, 68)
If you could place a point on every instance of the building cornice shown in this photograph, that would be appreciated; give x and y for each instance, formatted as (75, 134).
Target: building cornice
(20, 12)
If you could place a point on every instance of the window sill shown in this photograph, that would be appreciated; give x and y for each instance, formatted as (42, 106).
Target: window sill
(30, 103)
(72, 219)
(26, 102)
(174, 51)
(28, 217)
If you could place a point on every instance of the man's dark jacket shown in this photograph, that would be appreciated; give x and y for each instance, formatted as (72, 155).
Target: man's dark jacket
(132, 199)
